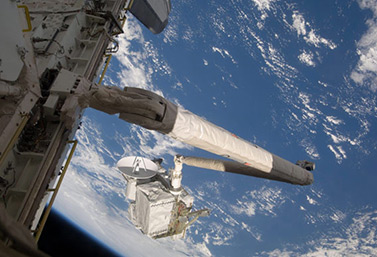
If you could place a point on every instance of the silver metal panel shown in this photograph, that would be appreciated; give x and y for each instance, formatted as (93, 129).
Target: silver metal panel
(152, 13)
(12, 41)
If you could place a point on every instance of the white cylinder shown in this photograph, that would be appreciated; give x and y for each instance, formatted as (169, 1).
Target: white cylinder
(131, 189)
(176, 179)
(194, 130)
(176, 173)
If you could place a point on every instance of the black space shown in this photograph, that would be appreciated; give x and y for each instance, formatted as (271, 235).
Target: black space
(62, 238)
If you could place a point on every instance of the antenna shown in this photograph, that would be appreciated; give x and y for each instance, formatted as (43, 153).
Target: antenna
(137, 167)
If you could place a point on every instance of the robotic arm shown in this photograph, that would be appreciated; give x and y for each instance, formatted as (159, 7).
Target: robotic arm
(151, 111)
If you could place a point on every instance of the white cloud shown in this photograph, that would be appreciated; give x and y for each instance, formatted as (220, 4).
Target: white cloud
(262, 201)
(338, 216)
(365, 72)
(224, 53)
(310, 112)
(299, 23)
(369, 4)
(138, 65)
(310, 149)
(304, 29)
(171, 34)
(338, 151)
(226, 218)
(204, 249)
(263, 4)
(334, 120)
(359, 238)
(188, 35)
(311, 200)
(247, 208)
(307, 58)
(322, 83)
(274, 60)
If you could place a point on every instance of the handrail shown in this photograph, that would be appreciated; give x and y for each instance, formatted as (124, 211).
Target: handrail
(129, 5)
(48, 209)
(27, 16)
(105, 68)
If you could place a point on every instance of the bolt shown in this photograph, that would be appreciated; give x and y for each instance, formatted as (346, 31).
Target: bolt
(21, 51)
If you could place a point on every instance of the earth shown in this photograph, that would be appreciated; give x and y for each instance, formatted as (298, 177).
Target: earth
(298, 78)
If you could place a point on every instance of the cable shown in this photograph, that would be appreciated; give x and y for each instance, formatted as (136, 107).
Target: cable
(60, 51)
(7, 169)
